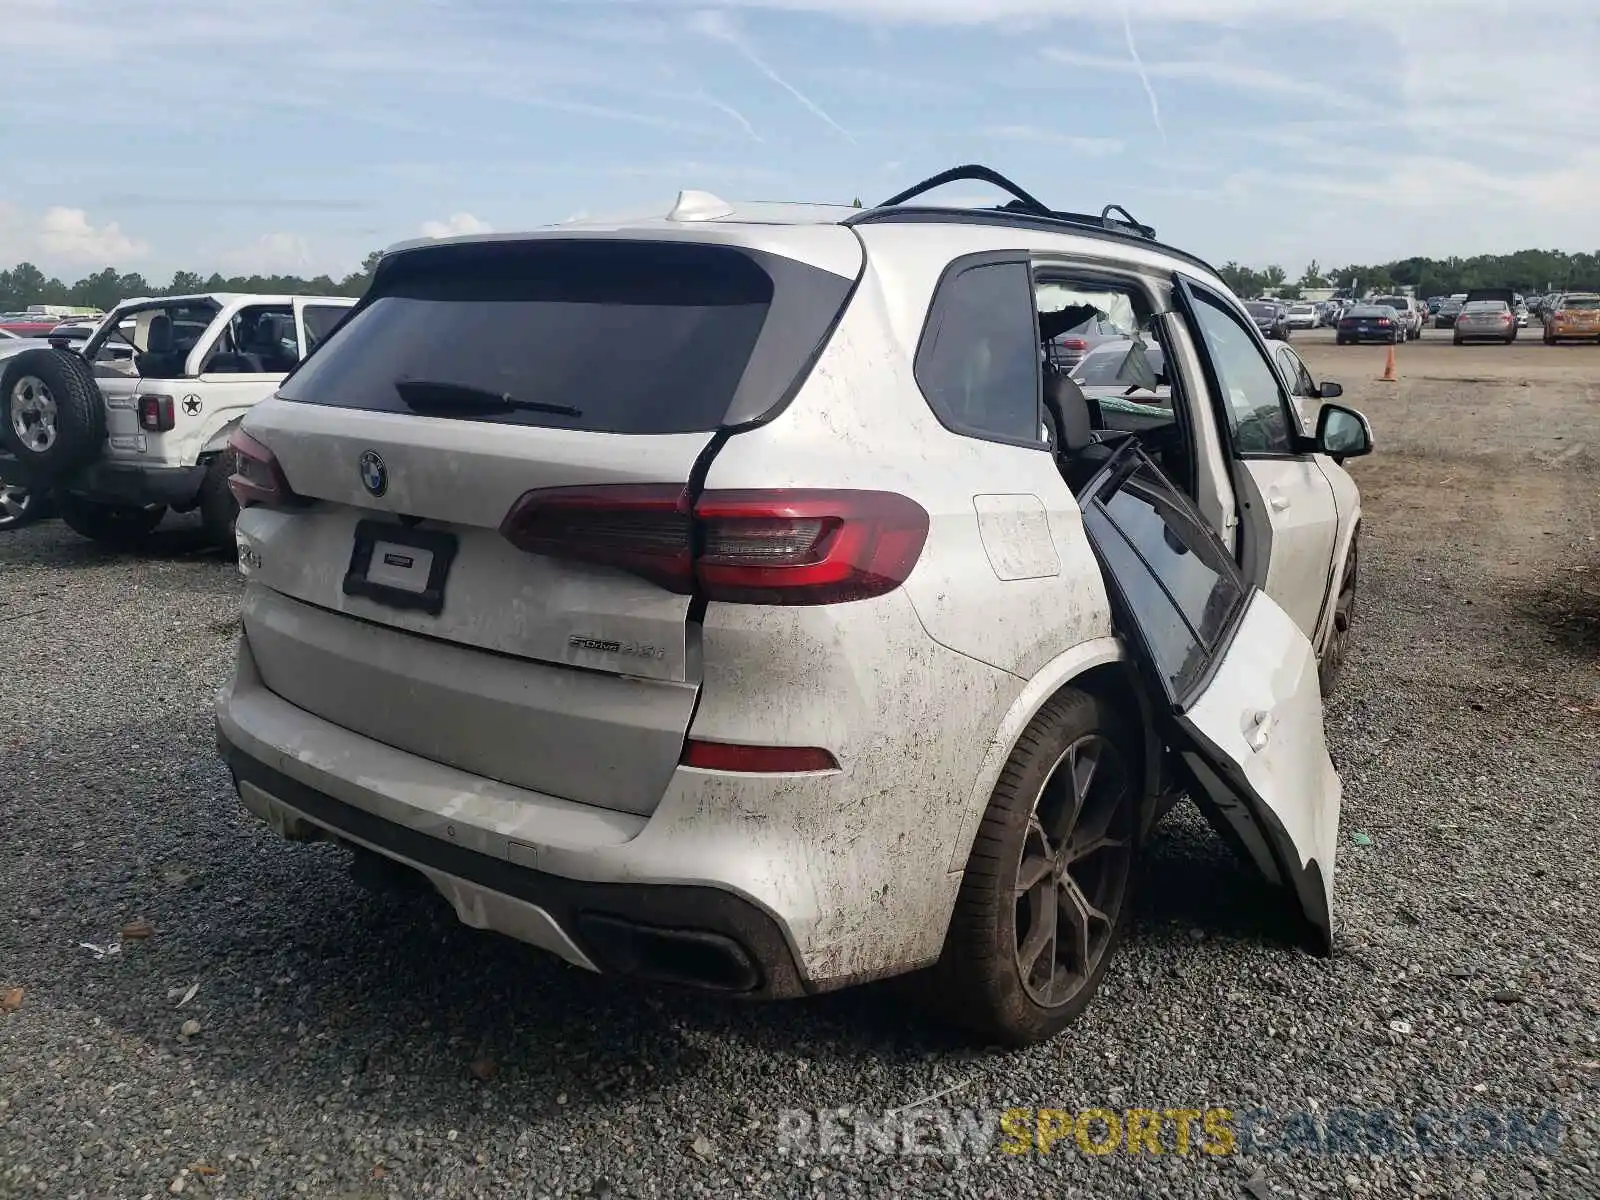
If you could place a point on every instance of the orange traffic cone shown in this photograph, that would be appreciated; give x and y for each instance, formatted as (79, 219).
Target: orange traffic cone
(1388, 375)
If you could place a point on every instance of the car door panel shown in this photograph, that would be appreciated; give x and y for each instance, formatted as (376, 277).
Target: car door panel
(1237, 675)
(1289, 521)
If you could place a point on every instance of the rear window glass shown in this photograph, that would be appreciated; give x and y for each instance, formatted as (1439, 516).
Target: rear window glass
(596, 335)
(1581, 302)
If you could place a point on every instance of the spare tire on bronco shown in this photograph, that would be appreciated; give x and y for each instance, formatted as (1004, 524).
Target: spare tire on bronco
(51, 416)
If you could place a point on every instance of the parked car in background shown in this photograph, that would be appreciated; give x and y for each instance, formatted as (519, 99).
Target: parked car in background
(1445, 318)
(1433, 304)
(1410, 313)
(1485, 321)
(1522, 315)
(1370, 323)
(1573, 316)
(1301, 315)
(1066, 349)
(1271, 318)
(637, 656)
(136, 420)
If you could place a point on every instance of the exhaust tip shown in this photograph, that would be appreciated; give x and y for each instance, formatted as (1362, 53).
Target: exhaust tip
(687, 958)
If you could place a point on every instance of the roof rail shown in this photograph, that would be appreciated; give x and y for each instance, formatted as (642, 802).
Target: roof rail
(1024, 203)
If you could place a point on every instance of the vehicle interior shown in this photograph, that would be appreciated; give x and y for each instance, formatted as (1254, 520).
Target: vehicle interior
(258, 340)
(161, 338)
(1120, 386)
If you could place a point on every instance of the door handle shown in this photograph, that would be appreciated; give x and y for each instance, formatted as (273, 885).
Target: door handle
(1278, 502)
(1258, 731)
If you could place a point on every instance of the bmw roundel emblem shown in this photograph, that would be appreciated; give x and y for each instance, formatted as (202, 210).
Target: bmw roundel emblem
(374, 475)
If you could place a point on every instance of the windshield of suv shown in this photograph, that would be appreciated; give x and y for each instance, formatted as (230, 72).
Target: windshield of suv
(605, 336)
(1257, 309)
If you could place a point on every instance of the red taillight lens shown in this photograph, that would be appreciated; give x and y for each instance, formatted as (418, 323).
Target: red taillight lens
(1073, 344)
(1383, 320)
(156, 414)
(738, 547)
(764, 760)
(257, 478)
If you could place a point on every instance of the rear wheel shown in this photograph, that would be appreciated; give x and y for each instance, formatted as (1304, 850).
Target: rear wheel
(19, 504)
(1331, 664)
(1045, 895)
(218, 509)
(116, 525)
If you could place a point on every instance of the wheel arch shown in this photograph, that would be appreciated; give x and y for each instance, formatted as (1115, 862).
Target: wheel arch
(1101, 667)
(218, 441)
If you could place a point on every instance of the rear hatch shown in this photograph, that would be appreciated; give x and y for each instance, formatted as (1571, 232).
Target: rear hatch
(473, 374)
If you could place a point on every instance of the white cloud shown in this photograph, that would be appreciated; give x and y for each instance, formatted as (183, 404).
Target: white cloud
(1079, 144)
(272, 254)
(458, 223)
(67, 234)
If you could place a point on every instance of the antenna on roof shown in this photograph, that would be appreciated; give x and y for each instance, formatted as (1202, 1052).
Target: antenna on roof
(699, 206)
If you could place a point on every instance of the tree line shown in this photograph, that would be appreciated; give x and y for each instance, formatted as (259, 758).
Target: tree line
(1525, 271)
(26, 284)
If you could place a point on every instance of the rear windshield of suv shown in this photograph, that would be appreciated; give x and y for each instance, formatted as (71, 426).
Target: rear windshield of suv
(600, 335)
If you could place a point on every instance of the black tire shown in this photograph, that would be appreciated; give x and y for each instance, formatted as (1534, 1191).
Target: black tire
(1331, 665)
(20, 503)
(1339, 341)
(119, 526)
(979, 982)
(1456, 340)
(51, 417)
(218, 509)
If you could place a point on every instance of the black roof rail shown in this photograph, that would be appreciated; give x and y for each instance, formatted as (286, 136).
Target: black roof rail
(1023, 203)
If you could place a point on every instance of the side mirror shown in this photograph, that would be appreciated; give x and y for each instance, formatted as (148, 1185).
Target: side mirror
(1342, 433)
(1329, 390)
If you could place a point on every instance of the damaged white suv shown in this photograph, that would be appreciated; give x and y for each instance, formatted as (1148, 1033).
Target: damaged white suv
(742, 598)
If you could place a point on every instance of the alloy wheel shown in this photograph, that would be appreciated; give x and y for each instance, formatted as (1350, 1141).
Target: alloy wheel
(1072, 873)
(33, 414)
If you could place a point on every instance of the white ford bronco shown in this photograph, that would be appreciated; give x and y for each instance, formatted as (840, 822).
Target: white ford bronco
(119, 438)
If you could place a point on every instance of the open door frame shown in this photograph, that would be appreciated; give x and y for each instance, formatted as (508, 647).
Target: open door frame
(1229, 667)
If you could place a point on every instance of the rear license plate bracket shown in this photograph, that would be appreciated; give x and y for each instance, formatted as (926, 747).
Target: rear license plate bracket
(400, 566)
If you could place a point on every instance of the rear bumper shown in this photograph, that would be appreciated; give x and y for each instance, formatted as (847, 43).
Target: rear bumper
(697, 937)
(706, 893)
(111, 482)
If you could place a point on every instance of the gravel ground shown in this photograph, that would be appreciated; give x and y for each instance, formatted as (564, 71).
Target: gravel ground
(343, 1046)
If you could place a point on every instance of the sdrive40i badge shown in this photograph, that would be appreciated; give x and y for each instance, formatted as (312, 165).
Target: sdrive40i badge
(580, 641)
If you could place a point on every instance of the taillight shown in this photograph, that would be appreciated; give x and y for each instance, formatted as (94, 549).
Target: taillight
(156, 414)
(1073, 344)
(738, 547)
(257, 478)
(1383, 321)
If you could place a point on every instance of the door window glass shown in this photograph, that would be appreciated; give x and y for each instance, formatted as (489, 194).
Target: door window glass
(1182, 590)
(1252, 393)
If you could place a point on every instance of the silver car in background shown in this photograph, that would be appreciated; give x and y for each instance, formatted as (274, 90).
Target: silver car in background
(1486, 321)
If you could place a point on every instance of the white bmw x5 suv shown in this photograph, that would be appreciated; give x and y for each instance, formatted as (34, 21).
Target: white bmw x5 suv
(740, 599)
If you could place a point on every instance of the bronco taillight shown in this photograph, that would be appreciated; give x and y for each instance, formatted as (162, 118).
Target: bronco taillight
(783, 546)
